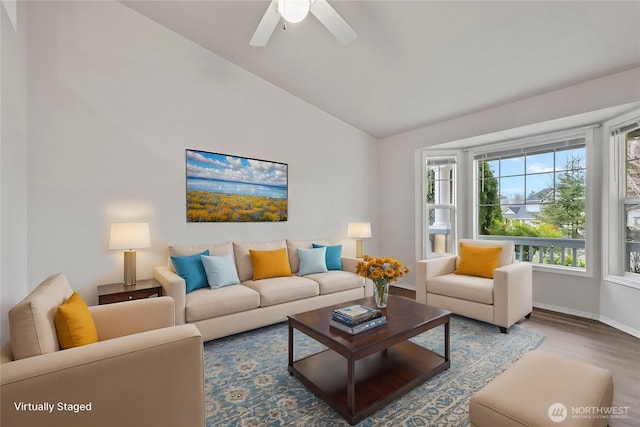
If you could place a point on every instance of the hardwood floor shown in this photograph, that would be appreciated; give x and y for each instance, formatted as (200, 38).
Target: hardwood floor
(594, 343)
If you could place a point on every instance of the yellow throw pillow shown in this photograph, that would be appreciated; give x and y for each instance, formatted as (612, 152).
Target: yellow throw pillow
(478, 260)
(268, 264)
(74, 324)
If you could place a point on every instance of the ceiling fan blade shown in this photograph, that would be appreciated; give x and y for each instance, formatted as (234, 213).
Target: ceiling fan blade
(266, 26)
(331, 19)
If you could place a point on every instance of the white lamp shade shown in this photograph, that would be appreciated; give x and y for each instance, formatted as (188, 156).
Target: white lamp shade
(129, 235)
(359, 230)
(293, 11)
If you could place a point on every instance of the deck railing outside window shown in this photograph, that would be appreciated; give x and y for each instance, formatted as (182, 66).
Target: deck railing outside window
(539, 250)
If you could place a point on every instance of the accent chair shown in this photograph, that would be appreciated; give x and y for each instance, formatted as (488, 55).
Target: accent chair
(142, 371)
(502, 299)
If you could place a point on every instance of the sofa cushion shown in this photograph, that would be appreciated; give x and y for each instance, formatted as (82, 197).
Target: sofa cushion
(470, 288)
(478, 260)
(283, 289)
(508, 249)
(268, 264)
(334, 255)
(336, 281)
(74, 324)
(292, 249)
(32, 321)
(220, 270)
(214, 250)
(206, 303)
(190, 268)
(243, 258)
(312, 261)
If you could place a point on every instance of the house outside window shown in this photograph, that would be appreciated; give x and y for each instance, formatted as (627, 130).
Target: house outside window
(533, 192)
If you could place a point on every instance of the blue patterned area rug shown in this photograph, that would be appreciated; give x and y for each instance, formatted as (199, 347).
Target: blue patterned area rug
(247, 383)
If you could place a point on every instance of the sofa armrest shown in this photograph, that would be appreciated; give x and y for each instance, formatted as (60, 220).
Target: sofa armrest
(175, 287)
(429, 268)
(512, 293)
(349, 263)
(131, 317)
(154, 378)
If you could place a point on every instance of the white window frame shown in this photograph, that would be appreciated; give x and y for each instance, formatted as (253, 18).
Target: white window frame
(613, 232)
(424, 208)
(541, 139)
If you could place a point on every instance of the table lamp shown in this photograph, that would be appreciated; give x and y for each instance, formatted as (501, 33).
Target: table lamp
(359, 231)
(129, 236)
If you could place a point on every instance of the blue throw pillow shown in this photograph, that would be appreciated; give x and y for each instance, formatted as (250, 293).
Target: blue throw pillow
(334, 254)
(312, 261)
(220, 270)
(190, 268)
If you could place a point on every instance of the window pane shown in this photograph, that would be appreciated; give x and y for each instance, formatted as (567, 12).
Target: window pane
(570, 185)
(570, 159)
(512, 190)
(632, 244)
(540, 163)
(512, 166)
(540, 188)
(440, 188)
(494, 166)
(440, 236)
(633, 165)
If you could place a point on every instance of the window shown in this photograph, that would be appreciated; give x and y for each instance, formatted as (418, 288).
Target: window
(631, 140)
(534, 193)
(624, 201)
(439, 202)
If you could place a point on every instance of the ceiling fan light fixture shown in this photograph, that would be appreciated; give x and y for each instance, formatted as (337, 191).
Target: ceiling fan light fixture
(293, 11)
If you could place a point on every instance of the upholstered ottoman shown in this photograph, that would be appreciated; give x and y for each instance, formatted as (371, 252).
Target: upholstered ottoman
(542, 389)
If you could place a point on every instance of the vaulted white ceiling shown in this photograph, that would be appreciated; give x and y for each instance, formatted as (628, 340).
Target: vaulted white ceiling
(416, 63)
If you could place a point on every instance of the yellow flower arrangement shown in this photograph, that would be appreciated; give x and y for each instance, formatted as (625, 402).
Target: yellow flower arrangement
(382, 271)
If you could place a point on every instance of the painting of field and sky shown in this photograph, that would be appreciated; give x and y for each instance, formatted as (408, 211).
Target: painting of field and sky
(223, 188)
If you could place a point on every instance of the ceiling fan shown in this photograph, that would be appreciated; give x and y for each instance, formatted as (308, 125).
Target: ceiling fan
(294, 11)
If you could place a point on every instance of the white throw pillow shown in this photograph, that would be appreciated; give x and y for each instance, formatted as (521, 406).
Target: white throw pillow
(221, 270)
(312, 261)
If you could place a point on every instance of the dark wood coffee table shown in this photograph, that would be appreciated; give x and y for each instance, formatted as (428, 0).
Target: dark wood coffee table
(359, 374)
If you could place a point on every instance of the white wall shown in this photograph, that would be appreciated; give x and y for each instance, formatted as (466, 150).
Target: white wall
(571, 294)
(13, 160)
(114, 101)
(619, 307)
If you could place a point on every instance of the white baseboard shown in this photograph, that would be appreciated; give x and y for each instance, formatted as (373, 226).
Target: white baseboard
(565, 310)
(624, 328)
(620, 326)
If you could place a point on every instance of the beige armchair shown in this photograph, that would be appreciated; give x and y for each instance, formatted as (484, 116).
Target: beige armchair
(501, 301)
(143, 371)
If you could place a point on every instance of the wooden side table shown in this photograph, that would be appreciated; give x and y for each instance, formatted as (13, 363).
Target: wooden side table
(118, 292)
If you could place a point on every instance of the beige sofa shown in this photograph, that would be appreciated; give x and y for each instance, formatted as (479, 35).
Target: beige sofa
(502, 301)
(252, 304)
(143, 371)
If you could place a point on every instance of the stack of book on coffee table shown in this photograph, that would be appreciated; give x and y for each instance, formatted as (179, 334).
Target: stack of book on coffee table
(357, 318)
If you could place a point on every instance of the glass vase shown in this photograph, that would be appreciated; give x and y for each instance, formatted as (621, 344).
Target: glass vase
(381, 293)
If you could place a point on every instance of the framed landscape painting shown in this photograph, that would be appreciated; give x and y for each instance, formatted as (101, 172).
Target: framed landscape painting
(224, 188)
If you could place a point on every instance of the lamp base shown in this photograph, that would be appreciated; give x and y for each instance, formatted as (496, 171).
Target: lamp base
(359, 248)
(129, 268)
